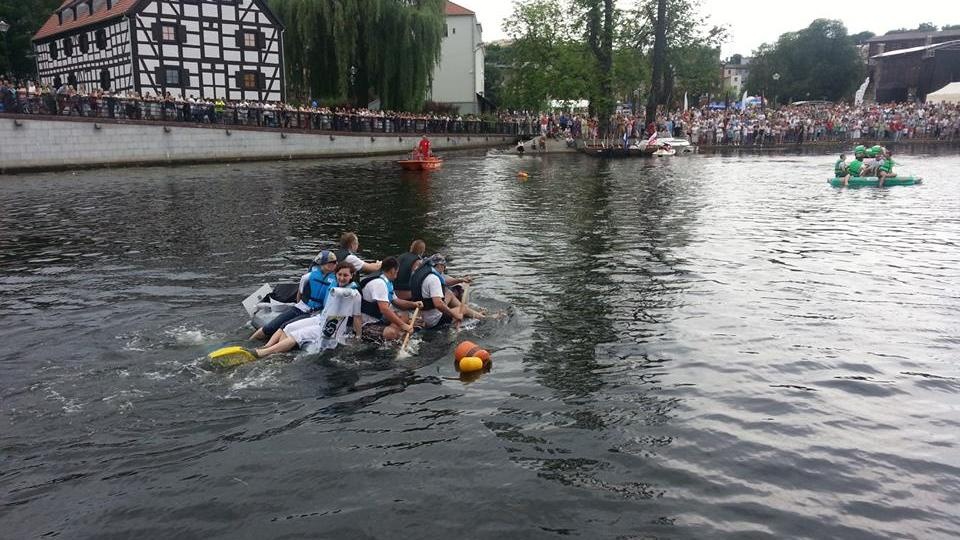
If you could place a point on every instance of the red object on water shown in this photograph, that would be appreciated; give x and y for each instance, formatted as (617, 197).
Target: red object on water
(428, 164)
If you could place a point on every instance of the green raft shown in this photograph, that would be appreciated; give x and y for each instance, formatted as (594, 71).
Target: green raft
(873, 181)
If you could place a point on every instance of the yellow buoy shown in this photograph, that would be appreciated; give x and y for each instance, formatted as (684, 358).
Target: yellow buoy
(470, 364)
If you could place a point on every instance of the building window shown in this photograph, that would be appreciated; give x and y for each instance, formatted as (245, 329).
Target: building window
(168, 32)
(72, 80)
(171, 77)
(54, 51)
(250, 40)
(446, 30)
(105, 79)
(68, 46)
(66, 16)
(84, 43)
(101, 38)
(82, 9)
(250, 81)
(99, 5)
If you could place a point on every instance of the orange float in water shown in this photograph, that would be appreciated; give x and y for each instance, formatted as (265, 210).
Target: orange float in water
(469, 348)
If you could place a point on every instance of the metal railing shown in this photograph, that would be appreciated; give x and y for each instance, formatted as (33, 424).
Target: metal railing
(258, 116)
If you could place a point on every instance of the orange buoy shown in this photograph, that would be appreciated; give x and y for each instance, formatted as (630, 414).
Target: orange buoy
(469, 348)
(522, 175)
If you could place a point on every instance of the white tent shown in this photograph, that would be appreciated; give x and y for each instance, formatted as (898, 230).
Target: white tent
(948, 94)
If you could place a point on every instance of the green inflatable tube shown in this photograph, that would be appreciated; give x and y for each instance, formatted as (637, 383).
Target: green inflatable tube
(873, 181)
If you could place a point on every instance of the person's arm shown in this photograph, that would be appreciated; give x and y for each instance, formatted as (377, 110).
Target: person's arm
(370, 267)
(452, 281)
(406, 304)
(392, 317)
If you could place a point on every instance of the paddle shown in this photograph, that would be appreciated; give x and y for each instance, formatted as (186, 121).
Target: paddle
(406, 338)
(231, 356)
(463, 305)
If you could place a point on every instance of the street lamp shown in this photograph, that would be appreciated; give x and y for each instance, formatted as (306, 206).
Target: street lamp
(776, 77)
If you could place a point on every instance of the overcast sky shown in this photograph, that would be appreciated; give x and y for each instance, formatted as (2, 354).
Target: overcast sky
(754, 22)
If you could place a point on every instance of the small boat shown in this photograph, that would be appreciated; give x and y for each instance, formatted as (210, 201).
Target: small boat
(431, 163)
(873, 181)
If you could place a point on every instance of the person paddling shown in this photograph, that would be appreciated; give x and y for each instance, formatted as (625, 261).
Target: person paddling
(380, 321)
(408, 263)
(423, 148)
(429, 286)
(349, 245)
(886, 168)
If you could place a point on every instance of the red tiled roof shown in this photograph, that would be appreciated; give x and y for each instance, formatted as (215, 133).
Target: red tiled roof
(455, 9)
(53, 27)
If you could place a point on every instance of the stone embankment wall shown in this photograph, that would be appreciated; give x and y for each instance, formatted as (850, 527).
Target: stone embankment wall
(30, 143)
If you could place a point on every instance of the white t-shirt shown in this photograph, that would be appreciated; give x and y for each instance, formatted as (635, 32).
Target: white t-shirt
(431, 289)
(329, 328)
(354, 261)
(374, 291)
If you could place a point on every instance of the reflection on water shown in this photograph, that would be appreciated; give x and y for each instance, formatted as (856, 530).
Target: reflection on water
(701, 347)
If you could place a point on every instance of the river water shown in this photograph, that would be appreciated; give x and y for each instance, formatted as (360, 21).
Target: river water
(701, 347)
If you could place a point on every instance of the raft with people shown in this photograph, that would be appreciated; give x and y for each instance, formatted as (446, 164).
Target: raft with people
(874, 181)
(332, 305)
(870, 167)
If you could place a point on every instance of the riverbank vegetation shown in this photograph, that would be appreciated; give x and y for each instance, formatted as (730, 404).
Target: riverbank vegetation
(359, 51)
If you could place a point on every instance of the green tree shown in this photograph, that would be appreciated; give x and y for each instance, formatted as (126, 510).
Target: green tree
(547, 58)
(818, 62)
(25, 17)
(359, 50)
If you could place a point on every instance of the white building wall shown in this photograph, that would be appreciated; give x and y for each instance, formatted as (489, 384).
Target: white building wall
(459, 76)
(86, 67)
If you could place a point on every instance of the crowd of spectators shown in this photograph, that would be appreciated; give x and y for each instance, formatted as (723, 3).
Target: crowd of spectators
(753, 126)
(760, 126)
(33, 99)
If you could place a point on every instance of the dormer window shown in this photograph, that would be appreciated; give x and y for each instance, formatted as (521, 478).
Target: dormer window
(99, 5)
(66, 16)
(83, 9)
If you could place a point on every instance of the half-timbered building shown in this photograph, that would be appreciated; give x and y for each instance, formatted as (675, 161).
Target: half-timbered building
(229, 49)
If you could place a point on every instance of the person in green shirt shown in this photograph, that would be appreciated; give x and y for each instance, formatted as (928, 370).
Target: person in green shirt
(840, 167)
(886, 168)
(854, 169)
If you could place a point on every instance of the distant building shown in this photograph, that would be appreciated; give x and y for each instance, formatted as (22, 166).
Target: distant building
(458, 79)
(906, 66)
(229, 49)
(735, 73)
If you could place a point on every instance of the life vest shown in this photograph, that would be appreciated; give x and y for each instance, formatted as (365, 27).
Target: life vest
(402, 283)
(855, 167)
(372, 308)
(315, 290)
(840, 169)
(416, 285)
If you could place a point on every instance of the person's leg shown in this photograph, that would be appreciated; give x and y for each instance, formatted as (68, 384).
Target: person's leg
(271, 327)
(284, 344)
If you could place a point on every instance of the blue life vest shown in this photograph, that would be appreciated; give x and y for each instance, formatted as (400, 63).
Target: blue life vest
(373, 308)
(316, 288)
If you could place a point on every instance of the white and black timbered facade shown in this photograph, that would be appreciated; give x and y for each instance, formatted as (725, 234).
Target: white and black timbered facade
(230, 49)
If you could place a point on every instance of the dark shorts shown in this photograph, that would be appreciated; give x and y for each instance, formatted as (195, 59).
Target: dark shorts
(281, 320)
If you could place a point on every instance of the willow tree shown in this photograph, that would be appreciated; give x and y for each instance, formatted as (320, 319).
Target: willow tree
(361, 50)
